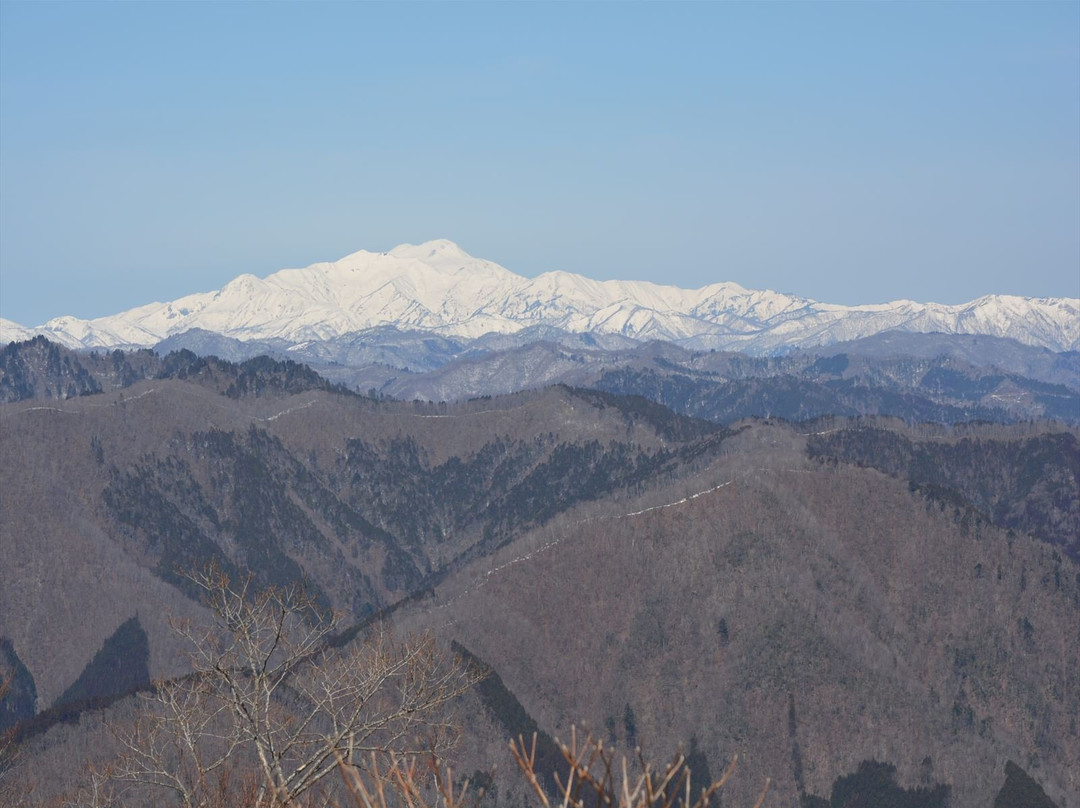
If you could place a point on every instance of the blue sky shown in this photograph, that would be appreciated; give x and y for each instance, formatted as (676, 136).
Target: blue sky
(849, 152)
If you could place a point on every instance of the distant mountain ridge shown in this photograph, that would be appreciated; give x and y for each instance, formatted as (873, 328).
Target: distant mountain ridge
(934, 379)
(437, 287)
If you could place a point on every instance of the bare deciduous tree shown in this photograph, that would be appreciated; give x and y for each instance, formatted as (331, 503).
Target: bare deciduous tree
(270, 693)
(398, 783)
(592, 778)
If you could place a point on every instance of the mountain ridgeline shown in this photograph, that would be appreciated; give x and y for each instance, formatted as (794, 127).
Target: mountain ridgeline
(439, 289)
(42, 369)
(860, 603)
(938, 377)
(922, 378)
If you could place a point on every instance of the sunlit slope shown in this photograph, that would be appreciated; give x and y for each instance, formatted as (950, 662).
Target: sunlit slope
(438, 288)
(805, 616)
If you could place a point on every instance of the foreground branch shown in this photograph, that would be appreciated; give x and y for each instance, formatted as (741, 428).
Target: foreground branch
(269, 694)
(592, 781)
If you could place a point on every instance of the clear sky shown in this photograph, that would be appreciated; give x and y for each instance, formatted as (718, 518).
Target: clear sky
(849, 152)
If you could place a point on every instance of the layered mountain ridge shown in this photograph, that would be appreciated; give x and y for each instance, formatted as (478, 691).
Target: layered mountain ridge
(806, 596)
(437, 287)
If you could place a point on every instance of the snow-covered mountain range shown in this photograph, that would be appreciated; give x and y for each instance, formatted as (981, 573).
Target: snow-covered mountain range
(437, 287)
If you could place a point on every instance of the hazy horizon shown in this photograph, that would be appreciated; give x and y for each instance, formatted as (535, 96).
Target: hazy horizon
(849, 153)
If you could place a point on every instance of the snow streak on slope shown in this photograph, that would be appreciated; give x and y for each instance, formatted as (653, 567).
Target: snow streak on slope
(439, 288)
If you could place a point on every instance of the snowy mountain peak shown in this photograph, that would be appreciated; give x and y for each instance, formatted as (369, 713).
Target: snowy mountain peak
(436, 248)
(438, 287)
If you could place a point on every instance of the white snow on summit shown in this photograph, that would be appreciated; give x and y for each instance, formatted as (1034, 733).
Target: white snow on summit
(11, 331)
(438, 287)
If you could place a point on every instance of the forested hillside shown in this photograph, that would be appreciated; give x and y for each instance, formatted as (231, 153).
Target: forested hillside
(1029, 483)
(810, 596)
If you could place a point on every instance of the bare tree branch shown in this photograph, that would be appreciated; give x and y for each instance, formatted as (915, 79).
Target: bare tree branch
(269, 692)
(590, 779)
